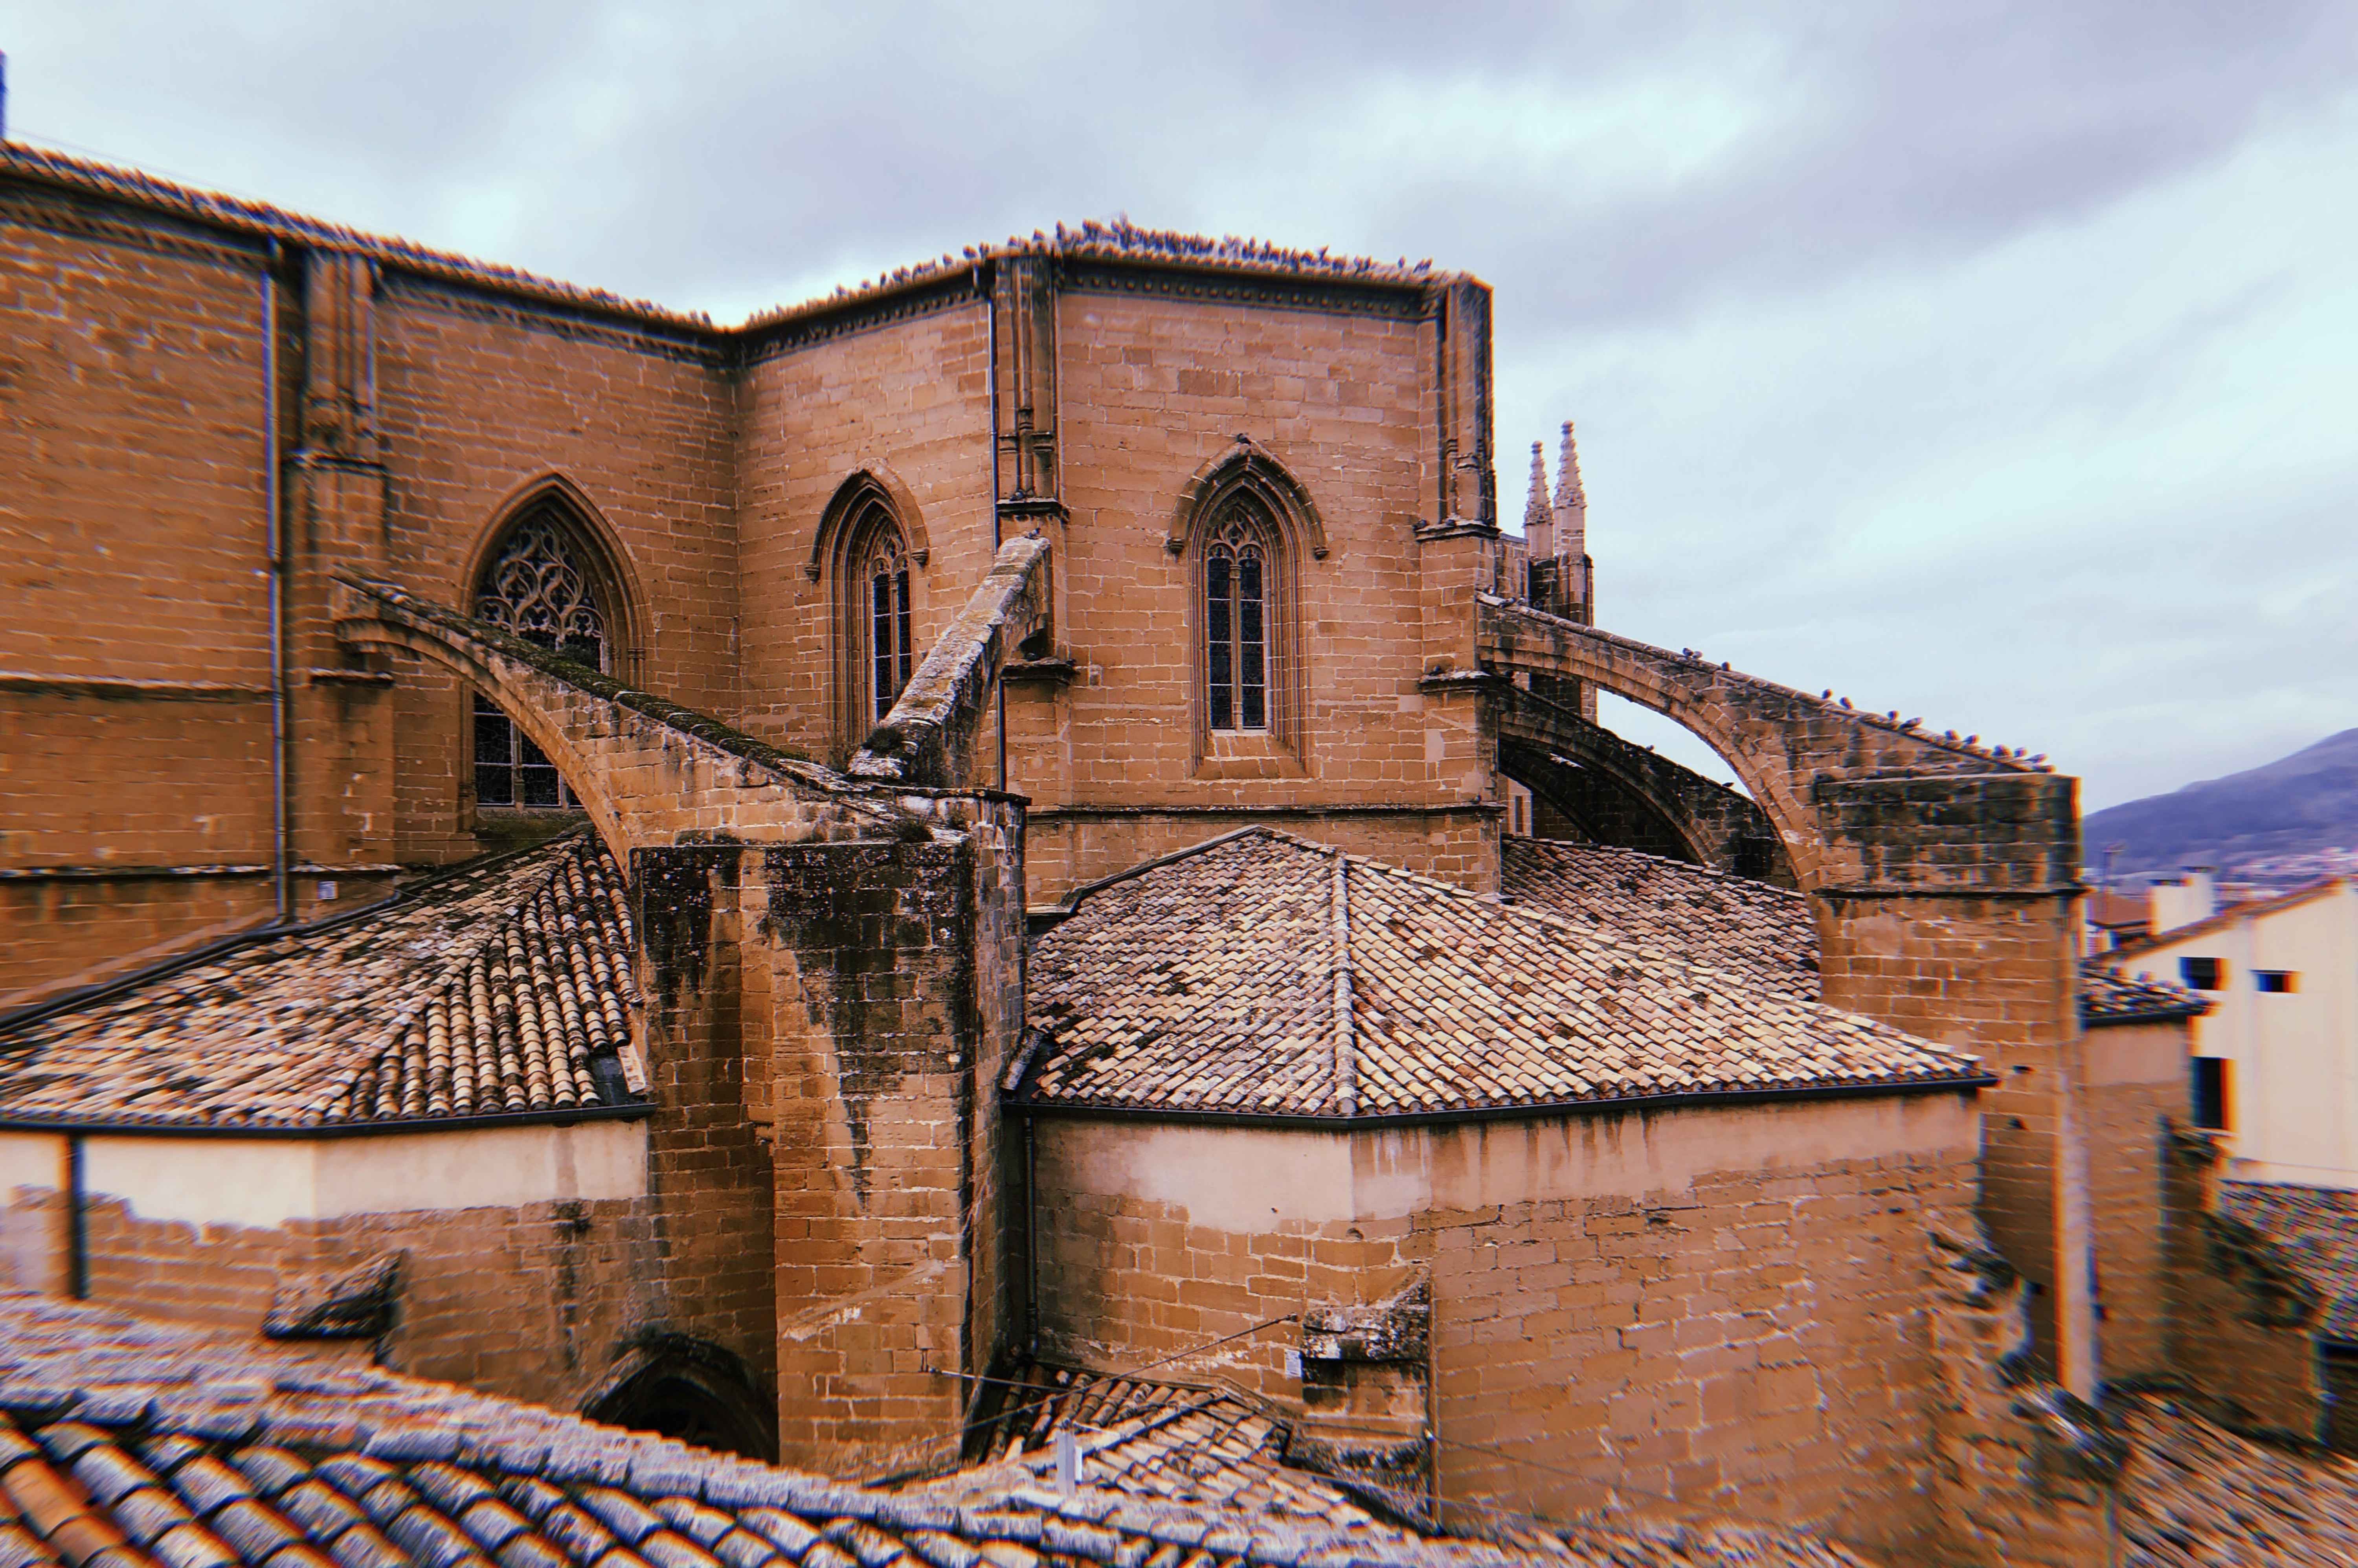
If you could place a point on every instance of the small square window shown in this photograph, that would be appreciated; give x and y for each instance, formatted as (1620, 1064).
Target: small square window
(2210, 1093)
(2202, 973)
(2283, 982)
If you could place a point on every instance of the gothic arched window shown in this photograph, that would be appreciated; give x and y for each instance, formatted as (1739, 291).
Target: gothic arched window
(537, 584)
(1240, 582)
(880, 611)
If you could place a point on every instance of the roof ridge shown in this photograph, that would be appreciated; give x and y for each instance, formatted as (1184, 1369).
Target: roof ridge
(1345, 1090)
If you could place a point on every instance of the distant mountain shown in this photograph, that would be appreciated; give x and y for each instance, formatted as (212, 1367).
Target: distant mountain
(2298, 806)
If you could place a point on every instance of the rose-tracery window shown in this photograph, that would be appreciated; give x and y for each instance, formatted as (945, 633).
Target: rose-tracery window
(536, 587)
(1239, 572)
(881, 580)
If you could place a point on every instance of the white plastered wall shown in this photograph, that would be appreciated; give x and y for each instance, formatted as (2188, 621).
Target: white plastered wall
(2293, 1058)
(266, 1182)
(1244, 1180)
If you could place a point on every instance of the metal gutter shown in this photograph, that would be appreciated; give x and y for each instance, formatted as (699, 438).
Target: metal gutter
(74, 1131)
(1377, 1120)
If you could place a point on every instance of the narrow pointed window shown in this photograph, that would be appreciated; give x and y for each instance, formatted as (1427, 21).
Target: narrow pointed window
(538, 587)
(1236, 579)
(891, 659)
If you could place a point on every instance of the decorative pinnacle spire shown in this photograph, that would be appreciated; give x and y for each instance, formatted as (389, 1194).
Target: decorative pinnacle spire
(1567, 473)
(1535, 510)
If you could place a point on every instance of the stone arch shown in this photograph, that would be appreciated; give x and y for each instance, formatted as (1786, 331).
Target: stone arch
(1819, 770)
(1607, 812)
(543, 721)
(690, 1390)
(871, 485)
(1631, 796)
(608, 558)
(1246, 467)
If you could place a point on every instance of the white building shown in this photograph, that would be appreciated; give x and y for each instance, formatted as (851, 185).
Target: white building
(2276, 1061)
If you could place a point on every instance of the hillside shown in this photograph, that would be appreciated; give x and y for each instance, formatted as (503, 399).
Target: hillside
(2297, 806)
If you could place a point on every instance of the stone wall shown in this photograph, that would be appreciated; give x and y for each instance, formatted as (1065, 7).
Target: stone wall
(2239, 1317)
(1676, 1314)
(134, 661)
(1454, 844)
(480, 396)
(904, 401)
(2133, 1086)
(539, 1302)
(859, 997)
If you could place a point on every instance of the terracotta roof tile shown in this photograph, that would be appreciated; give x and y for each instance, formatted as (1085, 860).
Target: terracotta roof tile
(1693, 913)
(1263, 974)
(2194, 1493)
(2106, 996)
(112, 1436)
(1706, 917)
(504, 988)
(2316, 1229)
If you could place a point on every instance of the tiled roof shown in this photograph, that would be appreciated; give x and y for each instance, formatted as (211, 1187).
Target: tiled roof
(1188, 1443)
(125, 1443)
(1263, 974)
(2194, 1494)
(1182, 1441)
(1689, 912)
(1764, 933)
(2106, 996)
(2316, 1229)
(2115, 911)
(501, 989)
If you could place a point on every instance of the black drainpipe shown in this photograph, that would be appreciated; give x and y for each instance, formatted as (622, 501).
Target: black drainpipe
(77, 1224)
(282, 888)
(1031, 1240)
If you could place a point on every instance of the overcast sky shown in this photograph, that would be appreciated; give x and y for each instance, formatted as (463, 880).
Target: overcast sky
(1995, 362)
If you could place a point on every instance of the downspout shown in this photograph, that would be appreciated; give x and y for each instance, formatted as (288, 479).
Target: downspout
(990, 335)
(77, 1223)
(1031, 1239)
(280, 865)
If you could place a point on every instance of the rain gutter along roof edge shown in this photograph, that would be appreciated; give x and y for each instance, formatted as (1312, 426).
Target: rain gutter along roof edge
(1374, 1120)
(632, 1111)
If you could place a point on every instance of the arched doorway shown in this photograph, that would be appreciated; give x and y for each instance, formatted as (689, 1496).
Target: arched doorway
(690, 1390)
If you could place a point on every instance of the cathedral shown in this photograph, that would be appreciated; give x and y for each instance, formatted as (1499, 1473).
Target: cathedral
(834, 889)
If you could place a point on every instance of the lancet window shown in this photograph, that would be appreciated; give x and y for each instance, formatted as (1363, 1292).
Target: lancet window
(1238, 577)
(538, 586)
(881, 576)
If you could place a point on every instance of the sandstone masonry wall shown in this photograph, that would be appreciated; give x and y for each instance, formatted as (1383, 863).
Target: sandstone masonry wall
(536, 1303)
(134, 664)
(1746, 1341)
(908, 400)
(478, 397)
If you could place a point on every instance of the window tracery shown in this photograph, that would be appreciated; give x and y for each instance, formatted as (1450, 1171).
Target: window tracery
(538, 586)
(1240, 574)
(888, 656)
